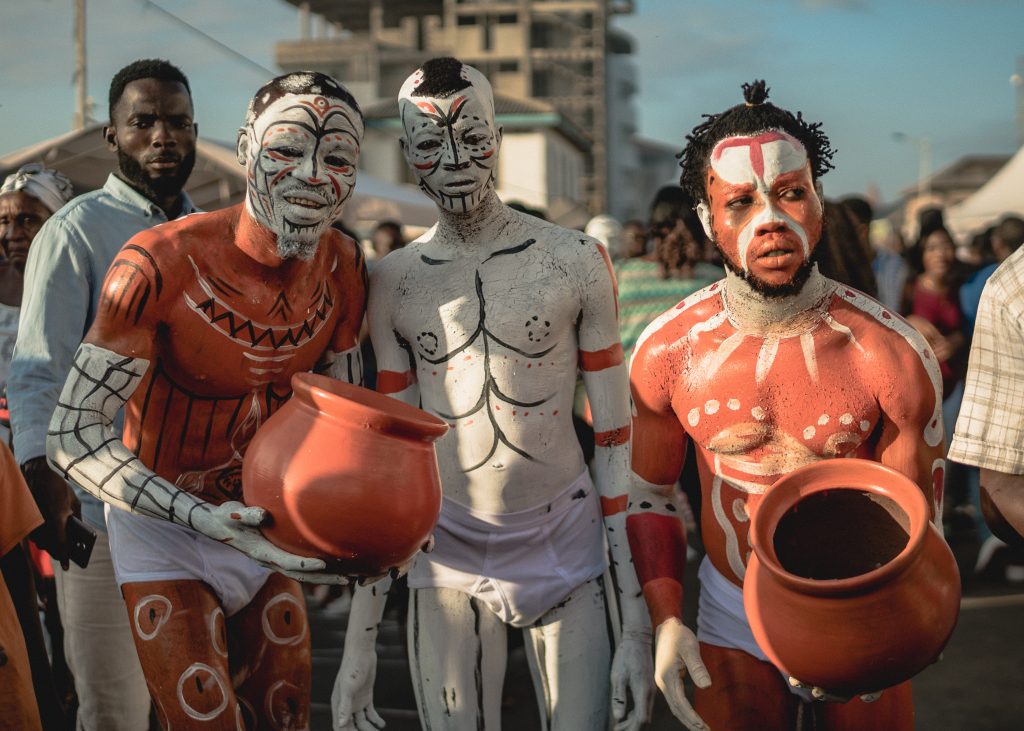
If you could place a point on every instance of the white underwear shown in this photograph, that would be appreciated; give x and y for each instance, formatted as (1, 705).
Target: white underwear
(521, 564)
(150, 549)
(722, 619)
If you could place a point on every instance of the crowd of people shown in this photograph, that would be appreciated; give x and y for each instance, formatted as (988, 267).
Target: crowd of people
(141, 348)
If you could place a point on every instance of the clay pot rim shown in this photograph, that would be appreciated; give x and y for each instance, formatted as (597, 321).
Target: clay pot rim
(366, 408)
(830, 474)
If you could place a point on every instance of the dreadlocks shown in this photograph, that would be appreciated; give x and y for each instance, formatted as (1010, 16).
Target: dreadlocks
(755, 115)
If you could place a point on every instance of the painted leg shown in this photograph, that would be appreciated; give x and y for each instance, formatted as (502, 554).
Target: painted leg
(893, 711)
(569, 652)
(746, 694)
(270, 657)
(181, 637)
(457, 654)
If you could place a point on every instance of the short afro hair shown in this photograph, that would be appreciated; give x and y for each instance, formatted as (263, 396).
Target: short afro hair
(298, 82)
(145, 68)
(442, 77)
(755, 115)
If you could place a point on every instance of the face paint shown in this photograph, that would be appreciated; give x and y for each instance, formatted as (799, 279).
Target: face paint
(452, 144)
(301, 159)
(763, 210)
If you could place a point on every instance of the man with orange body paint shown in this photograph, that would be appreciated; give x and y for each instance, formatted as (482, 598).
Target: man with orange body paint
(770, 369)
(200, 326)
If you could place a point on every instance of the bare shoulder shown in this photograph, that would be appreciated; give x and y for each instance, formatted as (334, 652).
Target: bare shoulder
(884, 336)
(344, 257)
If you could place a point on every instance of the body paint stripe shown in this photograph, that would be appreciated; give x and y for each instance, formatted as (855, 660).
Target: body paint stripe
(599, 360)
(614, 505)
(394, 381)
(612, 437)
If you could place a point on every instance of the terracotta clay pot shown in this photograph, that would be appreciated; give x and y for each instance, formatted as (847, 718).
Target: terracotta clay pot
(850, 587)
(347, 474)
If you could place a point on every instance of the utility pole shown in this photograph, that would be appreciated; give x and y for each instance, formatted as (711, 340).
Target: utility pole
(1018, 84)
(80, 91)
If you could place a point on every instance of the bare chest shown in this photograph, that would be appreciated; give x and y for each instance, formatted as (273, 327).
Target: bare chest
(229, 335)
(763, 406)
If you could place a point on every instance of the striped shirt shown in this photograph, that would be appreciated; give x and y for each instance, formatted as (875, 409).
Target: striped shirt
(643, 294)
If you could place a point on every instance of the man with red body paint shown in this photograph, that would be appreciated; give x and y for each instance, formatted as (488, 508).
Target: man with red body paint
(200, 326)
(772, 368)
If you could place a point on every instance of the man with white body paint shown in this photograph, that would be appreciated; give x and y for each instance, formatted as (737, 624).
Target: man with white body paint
(770, 369)
(200, 326)
(485, 319)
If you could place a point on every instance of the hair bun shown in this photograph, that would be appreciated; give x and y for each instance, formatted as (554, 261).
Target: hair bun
(755, 93)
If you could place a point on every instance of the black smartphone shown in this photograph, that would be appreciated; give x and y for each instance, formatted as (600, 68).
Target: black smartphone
(81, 538)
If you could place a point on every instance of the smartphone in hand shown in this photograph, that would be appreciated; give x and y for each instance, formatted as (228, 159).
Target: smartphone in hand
(81, 538)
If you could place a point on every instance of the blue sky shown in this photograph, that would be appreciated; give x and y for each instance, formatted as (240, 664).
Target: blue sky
(866, 68)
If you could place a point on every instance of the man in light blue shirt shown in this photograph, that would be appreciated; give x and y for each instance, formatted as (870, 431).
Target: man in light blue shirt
(153, 133)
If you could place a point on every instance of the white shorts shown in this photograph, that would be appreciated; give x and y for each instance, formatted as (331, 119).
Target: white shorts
(722, 619)
(518, 564)
(150, 549)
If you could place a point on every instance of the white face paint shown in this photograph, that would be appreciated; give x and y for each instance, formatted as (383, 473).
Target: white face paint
(301, 154)
(764, 208)
(451, 142)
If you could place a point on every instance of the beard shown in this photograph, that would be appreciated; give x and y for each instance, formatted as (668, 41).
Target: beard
(155, 188)
(303, 248)
(767, 289)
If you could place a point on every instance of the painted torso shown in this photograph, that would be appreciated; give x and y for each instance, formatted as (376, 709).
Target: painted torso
(759, 401)
(229, 334)
(492, 330)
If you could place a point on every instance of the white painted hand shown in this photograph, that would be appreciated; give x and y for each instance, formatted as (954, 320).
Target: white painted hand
(677, 653)
(632, 675)
(238, 526)
(352, 698)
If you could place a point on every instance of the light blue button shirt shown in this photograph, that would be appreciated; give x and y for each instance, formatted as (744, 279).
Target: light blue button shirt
(66, 266)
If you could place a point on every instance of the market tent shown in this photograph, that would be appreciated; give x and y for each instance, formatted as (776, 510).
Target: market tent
(1003, 194)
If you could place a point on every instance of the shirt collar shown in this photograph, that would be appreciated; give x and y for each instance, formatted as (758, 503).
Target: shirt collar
(127, 194)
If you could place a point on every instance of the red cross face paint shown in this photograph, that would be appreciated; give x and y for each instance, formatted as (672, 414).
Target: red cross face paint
(452, 142)
(763, 210)
(301, 167)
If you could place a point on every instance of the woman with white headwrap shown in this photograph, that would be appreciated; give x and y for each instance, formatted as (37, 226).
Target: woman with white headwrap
(28, 197)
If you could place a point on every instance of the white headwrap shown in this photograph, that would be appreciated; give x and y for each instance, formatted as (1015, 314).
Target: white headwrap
(51, 188)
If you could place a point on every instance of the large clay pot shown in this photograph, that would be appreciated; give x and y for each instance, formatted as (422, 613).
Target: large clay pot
(850, 587)
(347, 474)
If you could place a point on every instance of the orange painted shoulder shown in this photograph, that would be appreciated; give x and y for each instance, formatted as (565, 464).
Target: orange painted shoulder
(676, 323)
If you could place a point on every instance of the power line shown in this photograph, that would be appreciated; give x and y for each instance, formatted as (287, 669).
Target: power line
(223, 46)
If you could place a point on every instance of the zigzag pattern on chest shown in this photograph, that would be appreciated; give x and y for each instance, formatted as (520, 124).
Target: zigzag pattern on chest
(243, 330)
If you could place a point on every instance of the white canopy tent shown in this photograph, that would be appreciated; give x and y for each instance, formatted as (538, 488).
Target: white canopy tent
(1003, 194)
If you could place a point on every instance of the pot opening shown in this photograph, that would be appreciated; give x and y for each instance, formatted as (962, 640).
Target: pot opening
(840, 533)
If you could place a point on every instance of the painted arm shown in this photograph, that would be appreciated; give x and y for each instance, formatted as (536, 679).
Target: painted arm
(606, 382)
(654, 527)
(343, 359)
(912, 434)
(352, 697)
(107, 370)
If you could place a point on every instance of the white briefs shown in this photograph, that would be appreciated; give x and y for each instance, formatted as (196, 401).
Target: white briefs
(150, 549)
(519, 564)
(722, 619)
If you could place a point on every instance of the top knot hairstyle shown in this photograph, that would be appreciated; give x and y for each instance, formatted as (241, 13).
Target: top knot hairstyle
(755, 115)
